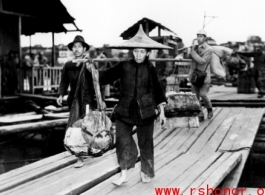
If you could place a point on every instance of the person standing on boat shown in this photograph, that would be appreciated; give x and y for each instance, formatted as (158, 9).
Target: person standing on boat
(75, 75)
(201, 56)
(141, 96)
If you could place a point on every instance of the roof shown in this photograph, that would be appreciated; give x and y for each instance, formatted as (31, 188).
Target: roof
(131, 31)
(40, 15)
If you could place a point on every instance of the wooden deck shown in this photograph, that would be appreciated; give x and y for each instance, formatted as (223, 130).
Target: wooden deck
(185, 158)
(229, 94)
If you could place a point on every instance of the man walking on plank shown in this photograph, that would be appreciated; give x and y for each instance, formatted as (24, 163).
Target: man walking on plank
(141, 98)
(202, 55)
(80, 80)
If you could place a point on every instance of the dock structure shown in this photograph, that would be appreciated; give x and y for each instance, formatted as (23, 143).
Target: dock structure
(185, 159)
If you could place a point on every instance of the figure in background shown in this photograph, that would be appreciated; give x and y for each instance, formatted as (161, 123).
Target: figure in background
(42, 60)
(259, 70)
(161, 67)
(10, 75)
(259, 67)
(73, 71)
(201, 55)
(102, 66)
(141, 96)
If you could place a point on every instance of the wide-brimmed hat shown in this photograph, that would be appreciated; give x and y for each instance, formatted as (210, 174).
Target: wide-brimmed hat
(80, 39)
(140, 40)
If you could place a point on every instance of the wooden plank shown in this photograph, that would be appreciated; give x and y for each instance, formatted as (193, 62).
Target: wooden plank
(232, 179)
(251, 129)
(158, 129)
(82, 181)
(63, 175)
(216, 140)
(161, 157)
(32, 166)
(37, 96)
(187, 179)
(170, 139)
(4, 130)
(9, 184)
(56, 115)
(184, 138)
(196, 132)
(177, 165)
(56, 176)
(16, 115)
(184, 121)
(222, 171)
(203, 177)
(134, 177)
(90, 162)
(22, 118)
(163, 135)
(181, 172)
(242, 119)
(178, 140)
(209, 131)
(46, 180)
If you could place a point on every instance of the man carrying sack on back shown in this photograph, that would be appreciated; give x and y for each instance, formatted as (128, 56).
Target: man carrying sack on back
(200, 74)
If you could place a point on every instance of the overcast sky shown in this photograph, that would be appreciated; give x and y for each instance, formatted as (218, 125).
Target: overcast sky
(102, 21)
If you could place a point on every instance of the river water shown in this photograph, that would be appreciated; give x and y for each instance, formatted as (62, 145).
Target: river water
(18, 150)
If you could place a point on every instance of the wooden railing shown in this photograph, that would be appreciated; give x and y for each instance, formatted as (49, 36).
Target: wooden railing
(48, 79)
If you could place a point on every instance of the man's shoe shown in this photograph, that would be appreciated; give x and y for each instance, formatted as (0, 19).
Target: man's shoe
(210, 114)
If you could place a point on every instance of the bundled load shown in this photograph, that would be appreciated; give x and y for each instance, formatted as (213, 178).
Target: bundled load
(181, 105)
(91, 135)
(219, 53)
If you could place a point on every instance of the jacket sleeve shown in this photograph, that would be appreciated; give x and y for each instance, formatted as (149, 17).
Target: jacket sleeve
(64, 84)
(159, 94)
(205, 59)
(111, 74)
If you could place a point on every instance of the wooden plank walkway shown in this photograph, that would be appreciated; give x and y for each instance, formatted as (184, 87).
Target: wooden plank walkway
(185, 158)
(223, 93)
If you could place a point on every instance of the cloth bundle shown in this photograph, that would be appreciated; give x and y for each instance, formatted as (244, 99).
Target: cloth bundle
(219, 52)
(90, 135)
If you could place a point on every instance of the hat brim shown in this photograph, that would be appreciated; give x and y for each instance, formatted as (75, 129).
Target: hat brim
(202, 34)
(70, 45)
(140, 40)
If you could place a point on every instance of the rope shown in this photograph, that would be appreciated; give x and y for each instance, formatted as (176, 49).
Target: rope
(236, 150)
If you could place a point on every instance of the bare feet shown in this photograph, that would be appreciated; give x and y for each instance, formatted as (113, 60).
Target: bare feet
(145, 178)
(79, 162)
(122, 179)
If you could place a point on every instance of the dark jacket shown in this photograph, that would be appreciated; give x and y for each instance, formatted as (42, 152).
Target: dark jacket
(135, 85)
(69, 76)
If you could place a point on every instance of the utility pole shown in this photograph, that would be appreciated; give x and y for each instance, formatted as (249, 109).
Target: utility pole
(207, 17)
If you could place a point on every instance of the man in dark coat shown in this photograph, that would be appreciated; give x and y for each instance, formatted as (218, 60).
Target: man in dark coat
(141, 96)
(71, 72)
(76, 75)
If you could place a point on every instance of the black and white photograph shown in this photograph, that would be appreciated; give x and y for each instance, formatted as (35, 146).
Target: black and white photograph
(135, 97)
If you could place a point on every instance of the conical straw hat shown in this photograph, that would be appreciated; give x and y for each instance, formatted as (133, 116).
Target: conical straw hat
(140, 40)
